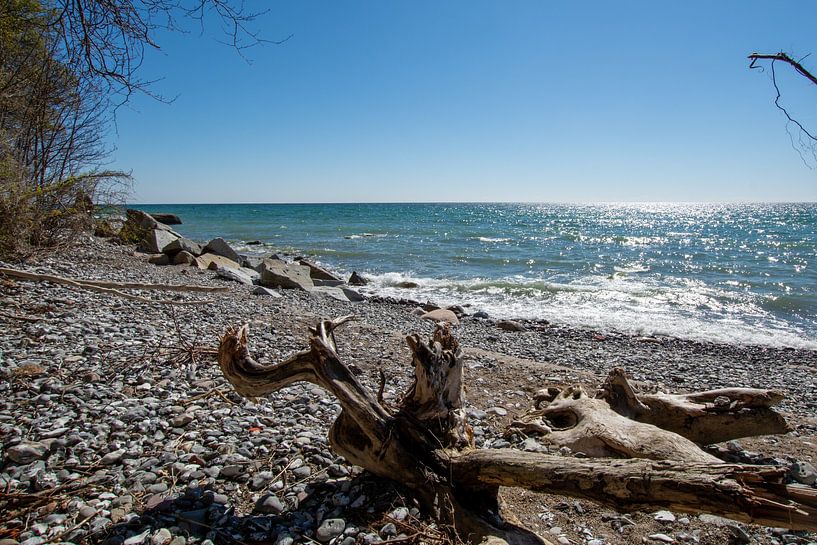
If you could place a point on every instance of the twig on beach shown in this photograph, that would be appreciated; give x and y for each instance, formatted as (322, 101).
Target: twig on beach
(114, 288)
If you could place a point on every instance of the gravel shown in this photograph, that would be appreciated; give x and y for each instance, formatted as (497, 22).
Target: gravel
(115, 418)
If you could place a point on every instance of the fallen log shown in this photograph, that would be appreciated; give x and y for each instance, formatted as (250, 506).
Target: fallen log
(426, 444)
(114, 288)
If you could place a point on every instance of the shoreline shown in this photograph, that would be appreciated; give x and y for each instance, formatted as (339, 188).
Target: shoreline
(106, 386)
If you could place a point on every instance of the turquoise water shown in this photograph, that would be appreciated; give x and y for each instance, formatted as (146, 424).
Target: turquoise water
(738, 273)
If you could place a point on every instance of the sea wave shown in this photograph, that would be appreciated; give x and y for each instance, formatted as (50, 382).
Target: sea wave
(682, 307)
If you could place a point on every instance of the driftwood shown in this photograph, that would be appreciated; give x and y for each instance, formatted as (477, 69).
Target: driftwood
(426, 444)
(113, 288)
(619, 423)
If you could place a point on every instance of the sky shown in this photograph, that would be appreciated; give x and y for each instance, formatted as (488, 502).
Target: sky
(536, 101)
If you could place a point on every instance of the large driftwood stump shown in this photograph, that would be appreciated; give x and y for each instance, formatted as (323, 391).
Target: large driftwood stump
(426, 444)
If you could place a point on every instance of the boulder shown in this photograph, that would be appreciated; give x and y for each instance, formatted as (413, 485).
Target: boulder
(156, 240)
(184, 258)
(159, 259)
(236, 275)
(256, 262)
(220, 247)
(441, 315)
(316, 271)
(407, 284)
(327, 291)
(328, 283)
(183, 245)
(277, 274)
(261, 290)
(144, 221)
(167, 219)
(510, 325)
(213, 262)
(357, 280)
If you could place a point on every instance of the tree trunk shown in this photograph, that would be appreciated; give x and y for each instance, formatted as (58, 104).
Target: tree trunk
(427, 445)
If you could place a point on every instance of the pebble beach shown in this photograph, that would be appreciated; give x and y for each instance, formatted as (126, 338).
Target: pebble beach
(117, 427)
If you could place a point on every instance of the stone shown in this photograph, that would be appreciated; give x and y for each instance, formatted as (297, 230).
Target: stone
(407, 284)
(499, 411)
(112, 458)
(664, 516)
(167, 219)
(183, 245)
(441, 315)
(236, 275)
(740, 535)
(388, 530)
(664, 538)
(257, 263)
(356, 280)
(261, 290)
(285, 275)
(184, 258)
(510, 325)
(161, 537)
(326, 291)
(27, 452)
(156, 240)
(328, 283)
(316, 271)
(352, 295)
(213, 262)
(159, 259)
(270, 504)
(329, 529)
(138, 539)
(803, 472)
(220, 247)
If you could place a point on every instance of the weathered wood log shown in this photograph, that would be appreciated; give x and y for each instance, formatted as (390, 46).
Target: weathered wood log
(707, 417)
(426, 445)
(755, 494)
(114, 288)
(588, 425)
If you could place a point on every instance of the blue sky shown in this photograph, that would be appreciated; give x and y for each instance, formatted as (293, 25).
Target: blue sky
(477, 101)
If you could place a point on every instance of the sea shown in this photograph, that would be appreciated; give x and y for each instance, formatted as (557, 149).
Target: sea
(725, 273)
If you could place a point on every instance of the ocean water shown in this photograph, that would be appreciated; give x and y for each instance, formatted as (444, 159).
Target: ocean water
(734, 273)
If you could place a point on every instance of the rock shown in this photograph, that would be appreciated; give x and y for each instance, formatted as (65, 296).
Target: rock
(458, 310)
(220, 247)
(112, 458)
(159, 259)
(803, 472)
(499, 411)
(183, 245)
(664, 538)
(326, 291)
(184, 258)
(407, 284)
(441, 315)
(510, 325)
(352, 295)
(141, 220)
(330, 528)
(286, 275)
(236, 275)
(739, 533)
(481, 314)
(138, 539)
(257, 263)
(261, 290)
(664, 516)
(156, 240)
(418, 311)
(161, 537)
(167, 219)
(388, 530)
(27, 452)
(357, 280)
(213, 262)
(329, 283)
(400, 514)
(272, 505)
(317, 272)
